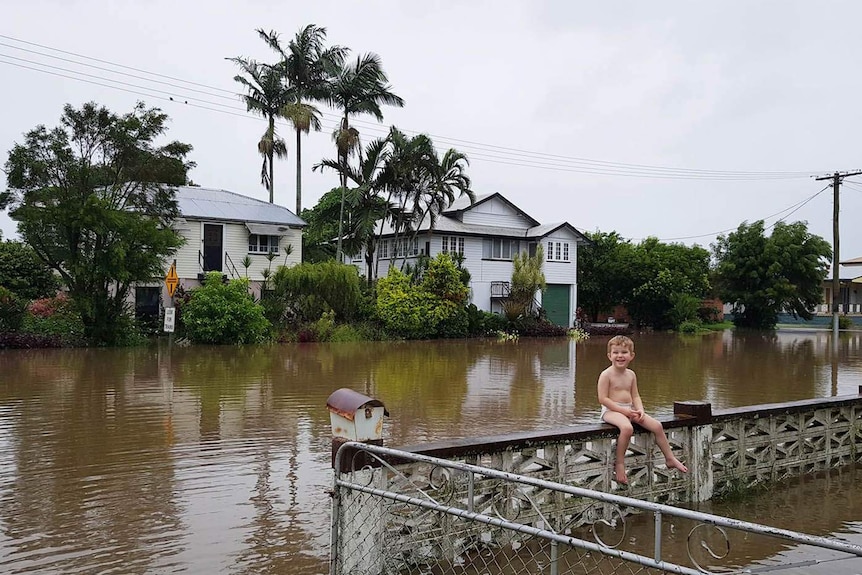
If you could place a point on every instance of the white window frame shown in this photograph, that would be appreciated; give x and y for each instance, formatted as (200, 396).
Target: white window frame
(557, 251)
(255, 248)
(503, 249)
(453, 245)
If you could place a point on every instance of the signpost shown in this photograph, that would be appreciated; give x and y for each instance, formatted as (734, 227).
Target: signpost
(171, 282)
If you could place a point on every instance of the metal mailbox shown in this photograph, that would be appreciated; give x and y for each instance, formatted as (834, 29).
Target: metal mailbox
(355, 416)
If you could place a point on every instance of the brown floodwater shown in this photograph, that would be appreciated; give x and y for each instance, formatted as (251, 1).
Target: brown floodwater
(216, 459)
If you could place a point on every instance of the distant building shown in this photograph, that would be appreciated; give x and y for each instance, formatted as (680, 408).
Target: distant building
(488, 233)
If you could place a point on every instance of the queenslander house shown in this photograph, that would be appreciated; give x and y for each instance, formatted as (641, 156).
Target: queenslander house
(221, 229)
(488, 233)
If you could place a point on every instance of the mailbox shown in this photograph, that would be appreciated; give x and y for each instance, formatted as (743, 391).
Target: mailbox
(356, 417)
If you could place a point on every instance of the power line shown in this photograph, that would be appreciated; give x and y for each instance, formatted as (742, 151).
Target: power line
(797, 205)
(492, 153)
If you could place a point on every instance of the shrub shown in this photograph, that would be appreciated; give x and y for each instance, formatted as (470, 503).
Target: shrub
(844, 322)
(55, 317)
(530, 327)
(23, 273)
(684, 308)
(412, 312)
(608, 329)
(21, 340)
(12, 309)
(221, 313)
(484, 323)
(308, 290)
(689, 327)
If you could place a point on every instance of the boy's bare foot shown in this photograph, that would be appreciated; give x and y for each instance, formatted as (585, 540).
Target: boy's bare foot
(620, 473)
(674, 463)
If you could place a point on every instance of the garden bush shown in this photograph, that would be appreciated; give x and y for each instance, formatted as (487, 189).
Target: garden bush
(224, 313)
(12, 309)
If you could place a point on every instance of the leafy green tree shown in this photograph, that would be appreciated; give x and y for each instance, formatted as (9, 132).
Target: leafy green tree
(94, 199)
(358, 87)
(647, 278)
(317, 245)
(764, 276)
(224, 313)
(662, 271)
(23, 273)
(604, 273)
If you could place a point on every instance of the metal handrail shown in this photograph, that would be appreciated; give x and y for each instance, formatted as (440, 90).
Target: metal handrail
(235, 273)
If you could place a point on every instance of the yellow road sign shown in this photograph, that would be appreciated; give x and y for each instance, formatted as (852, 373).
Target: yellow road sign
(171, 280)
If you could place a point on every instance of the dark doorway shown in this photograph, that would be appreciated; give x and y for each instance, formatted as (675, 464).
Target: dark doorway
(213, 247)
(147, 303)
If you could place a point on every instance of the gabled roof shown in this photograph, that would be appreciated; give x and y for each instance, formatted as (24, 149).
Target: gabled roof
(853, 262)
(222, 205)
(450, 222)
(463, 204)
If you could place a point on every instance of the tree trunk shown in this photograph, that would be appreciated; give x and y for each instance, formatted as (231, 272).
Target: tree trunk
(271, 154)
(298, 172)
(342, 157)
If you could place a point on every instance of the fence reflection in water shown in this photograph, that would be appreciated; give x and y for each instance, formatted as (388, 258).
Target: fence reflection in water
(445, 517)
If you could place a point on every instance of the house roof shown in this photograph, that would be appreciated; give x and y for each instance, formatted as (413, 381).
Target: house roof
(450, 222)
(853, 262)
(212, 204)
(463, 204)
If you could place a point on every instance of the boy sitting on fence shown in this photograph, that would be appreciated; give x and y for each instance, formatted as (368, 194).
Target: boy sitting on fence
(622, 405)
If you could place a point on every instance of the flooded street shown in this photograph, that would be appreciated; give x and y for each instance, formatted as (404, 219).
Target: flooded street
(216, 459)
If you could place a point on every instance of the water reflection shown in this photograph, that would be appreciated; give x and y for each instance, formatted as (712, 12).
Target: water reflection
(216, 459)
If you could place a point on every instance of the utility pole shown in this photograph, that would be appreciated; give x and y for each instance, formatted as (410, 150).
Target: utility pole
(836, 281)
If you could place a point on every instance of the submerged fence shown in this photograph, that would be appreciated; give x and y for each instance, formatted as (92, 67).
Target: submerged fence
(402, 513)
(545, 502)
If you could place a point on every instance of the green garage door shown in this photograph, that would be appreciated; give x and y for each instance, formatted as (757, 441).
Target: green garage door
(556, 303)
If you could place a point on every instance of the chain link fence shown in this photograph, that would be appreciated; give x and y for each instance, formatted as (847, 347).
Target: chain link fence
(413, 514)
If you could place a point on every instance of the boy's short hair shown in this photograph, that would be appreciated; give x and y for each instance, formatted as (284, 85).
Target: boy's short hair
(622, 341)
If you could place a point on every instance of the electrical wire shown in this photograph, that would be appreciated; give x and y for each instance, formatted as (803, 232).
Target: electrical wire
(486, 152)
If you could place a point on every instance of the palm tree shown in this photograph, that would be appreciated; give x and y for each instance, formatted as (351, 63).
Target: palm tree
(443, 181)
(266, 94)
(307, 66)
(359, 87)
(368, 209)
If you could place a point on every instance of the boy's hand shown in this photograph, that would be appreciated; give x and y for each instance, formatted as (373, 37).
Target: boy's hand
(637, 415)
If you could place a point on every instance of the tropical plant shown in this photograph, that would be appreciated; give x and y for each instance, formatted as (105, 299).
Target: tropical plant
(307, 66)
(364, 202)
(358, 87)
(266, 95)
(527, 279)
(95, 201)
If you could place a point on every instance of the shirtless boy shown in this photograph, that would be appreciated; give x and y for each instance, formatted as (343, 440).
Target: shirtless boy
(621, 405)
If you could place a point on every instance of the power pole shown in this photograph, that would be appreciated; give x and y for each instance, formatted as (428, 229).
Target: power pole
(836, 281)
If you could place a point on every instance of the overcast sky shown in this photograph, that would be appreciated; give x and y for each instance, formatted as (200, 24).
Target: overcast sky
(566, 108)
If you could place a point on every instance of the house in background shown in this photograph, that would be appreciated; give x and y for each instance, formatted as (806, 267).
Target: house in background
(488, 233)
(850, 285)
(221, 228)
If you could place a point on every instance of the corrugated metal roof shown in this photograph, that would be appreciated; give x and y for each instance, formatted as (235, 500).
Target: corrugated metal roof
(222, 205)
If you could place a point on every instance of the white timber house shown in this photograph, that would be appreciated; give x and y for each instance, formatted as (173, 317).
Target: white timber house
(222, 228)
(488, 233)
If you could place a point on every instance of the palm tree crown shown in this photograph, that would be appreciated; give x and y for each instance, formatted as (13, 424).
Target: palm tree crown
(266, 94)
(359, 87)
